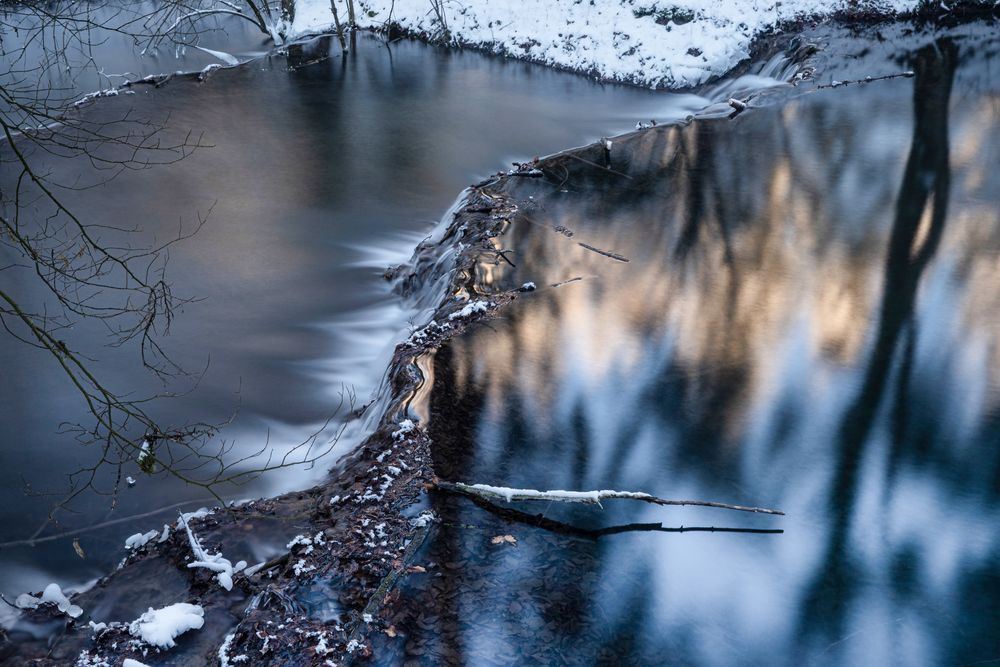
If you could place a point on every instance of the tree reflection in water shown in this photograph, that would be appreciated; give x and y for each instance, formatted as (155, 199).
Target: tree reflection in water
(794, 329)
(921, 210)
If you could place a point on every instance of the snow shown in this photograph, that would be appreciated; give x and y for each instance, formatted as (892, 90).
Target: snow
(428, 332)
(502, 491)
(307, 542)
(145, 454)
(227, 58)
(131, 662)
(300, 567)
(424, 518)
(97, 94)
(52, 595)
(469, 309)
(85, 659)
(197, 514)
(369, 494)
(405, 427)
(217, 563)
(159, 627)
(591, 497)
(225, 660)
(140, 539)
(655, 43)
(26, 601)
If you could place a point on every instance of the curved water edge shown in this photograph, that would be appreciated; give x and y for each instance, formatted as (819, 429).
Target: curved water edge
(745, 318)
(443, 274)
(440, 270)
(295, 216)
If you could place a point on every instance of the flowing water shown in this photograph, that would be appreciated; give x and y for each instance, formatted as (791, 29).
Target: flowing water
(807, 319)
(317, 177)
(801, 311)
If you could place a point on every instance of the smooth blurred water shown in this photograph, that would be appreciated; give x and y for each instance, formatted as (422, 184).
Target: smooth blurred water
(808, 320)
(317, 177)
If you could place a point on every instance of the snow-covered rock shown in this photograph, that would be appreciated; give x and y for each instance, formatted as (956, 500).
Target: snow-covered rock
(160, 627)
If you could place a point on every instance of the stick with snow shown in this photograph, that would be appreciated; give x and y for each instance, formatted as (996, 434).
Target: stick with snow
(222, 566)
(495, 493)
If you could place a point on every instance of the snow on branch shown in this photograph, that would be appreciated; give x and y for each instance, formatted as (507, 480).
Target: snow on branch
(222, 566)
(495, 493)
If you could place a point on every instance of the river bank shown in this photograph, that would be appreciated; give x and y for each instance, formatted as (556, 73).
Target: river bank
(369, 552)
(662, 45)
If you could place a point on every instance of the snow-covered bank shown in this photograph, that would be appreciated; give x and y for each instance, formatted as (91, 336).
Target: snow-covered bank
(652, 43)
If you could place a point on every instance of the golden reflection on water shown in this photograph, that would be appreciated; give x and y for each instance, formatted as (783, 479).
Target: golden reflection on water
(764, 260)
(809, 319)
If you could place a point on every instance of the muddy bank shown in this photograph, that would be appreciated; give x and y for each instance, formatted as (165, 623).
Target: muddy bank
(377, 564)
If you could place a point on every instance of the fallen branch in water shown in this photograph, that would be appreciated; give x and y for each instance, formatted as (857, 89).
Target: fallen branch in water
(613, 255)
(868, 79)
(560, 528)
(494, 493)
(739, 106)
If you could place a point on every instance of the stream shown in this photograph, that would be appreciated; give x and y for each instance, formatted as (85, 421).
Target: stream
(794, 306)
(318, 173)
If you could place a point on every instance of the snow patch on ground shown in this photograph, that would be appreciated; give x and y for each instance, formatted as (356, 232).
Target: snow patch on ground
(159, 627)
(655, 43)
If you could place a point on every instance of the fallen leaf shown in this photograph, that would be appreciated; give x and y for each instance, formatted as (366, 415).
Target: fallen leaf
(391, 631)
(78, 549)
(416, 569)
(502, 539)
